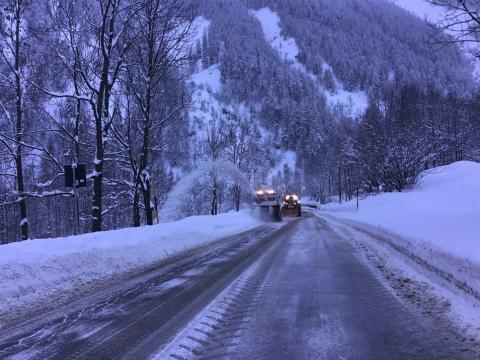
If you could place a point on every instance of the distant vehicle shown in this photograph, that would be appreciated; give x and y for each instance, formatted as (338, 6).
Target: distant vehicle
(266, 195)
(269, 205)
(291, 206)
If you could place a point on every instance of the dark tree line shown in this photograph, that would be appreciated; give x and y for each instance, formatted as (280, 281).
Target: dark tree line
(88, 81)
(108, 83)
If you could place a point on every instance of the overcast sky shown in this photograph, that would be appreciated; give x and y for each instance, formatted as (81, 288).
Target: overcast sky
(420, 8)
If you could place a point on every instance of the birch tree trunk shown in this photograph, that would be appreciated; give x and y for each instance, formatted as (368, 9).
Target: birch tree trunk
(19, 124)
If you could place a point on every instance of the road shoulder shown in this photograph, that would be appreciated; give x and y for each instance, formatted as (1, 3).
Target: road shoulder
(414, 281)
(63, 302)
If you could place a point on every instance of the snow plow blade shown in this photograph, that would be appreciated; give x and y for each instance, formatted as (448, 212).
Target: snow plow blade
(268, 205)
(270, 213)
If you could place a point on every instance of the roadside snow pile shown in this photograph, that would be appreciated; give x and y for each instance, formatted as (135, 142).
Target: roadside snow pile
(442, 212)
(35, 270)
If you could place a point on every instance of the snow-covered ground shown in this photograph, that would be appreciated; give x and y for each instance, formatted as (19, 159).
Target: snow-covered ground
(434, 283)
(354, 103)
(441, 212)
(430, 234)
(37, 269)
(207, 85)
(286, 48)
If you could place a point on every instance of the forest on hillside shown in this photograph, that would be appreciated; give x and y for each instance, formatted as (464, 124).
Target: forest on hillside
(108, 84)
(422, 100)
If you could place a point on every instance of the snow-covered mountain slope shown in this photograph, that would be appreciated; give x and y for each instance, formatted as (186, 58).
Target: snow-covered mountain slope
(354, 103)
(441, 212)
(304, 72)
(287, 48)
(205, 106)
(297, 69)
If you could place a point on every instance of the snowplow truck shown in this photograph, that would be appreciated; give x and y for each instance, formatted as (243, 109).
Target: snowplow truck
(268, 204)
(291, 206)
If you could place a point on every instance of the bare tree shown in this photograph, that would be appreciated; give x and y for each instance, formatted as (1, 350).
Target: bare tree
(66, 23)
(214, 146)
(460, 24)
(13, 34)
(163, 27)
(99, 58)
(243, 148)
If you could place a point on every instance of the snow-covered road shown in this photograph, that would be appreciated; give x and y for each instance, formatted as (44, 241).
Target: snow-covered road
(301, 291)
(310, 296)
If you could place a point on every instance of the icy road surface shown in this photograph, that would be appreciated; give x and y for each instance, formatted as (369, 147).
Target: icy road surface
(295, 292)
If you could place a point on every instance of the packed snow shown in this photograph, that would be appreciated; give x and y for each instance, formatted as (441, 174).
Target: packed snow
(442, 211)
(35, 270)
(353, 103)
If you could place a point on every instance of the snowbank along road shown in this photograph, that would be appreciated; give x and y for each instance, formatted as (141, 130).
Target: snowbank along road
(299, 291)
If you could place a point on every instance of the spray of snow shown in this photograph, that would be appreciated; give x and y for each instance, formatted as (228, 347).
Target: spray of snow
(353, 103)
(182, 191)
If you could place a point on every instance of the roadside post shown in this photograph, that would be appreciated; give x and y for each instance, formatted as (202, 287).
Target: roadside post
(358, 186)
(75, 177)
(155, 201)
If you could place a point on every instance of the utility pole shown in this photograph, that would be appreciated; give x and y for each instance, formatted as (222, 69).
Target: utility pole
(75, 177)
(154, 192)
(75, 197)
